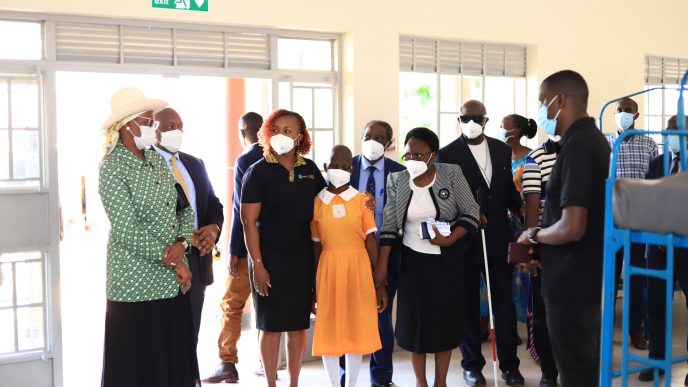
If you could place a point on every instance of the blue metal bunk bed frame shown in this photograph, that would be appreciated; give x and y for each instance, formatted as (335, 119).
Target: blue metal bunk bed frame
(617, 238)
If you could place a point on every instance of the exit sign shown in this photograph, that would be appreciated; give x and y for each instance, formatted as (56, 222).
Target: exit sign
(183, 5)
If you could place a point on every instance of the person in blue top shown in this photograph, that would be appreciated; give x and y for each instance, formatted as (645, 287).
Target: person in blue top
(370, 171)
(238, 287)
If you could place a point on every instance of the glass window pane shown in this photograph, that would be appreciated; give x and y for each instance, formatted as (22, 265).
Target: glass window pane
(417, 103)
(284, 97)
(25, 154)
(324, 109)
(4, 107)
(7, 331)
(26, 41)
(654, 102)
(520, 96)
(323, 142)
(4, 154)
(303, 104)
(258, 96)
(670, 101)
(472, 88)
(655, 123)
(24, 104)
(29, 283)
(304, 54)
(30, 328)
(499, 102)
(450, 96)
(449, 128)
(6, 285)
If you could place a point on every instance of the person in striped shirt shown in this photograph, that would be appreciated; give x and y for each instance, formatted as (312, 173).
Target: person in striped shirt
(634, 155)
(536, 171)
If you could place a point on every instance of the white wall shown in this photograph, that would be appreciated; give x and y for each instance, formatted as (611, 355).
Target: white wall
(604, 40)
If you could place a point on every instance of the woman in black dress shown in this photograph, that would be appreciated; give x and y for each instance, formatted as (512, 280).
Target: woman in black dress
(276, 209)
(430, 280)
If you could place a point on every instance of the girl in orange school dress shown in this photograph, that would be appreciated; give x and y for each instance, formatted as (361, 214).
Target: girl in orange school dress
(343, 232)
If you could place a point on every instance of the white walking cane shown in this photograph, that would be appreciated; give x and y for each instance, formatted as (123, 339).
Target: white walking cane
(489, 304)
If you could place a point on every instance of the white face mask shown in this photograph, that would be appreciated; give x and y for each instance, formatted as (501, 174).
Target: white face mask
(281, 144)
(416, 168)
(338, 177)
(147, 138)
(372, 150)
(172, 140)
(471, 129)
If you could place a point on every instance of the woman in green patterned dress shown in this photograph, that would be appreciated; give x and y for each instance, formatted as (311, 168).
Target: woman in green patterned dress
(148, 329)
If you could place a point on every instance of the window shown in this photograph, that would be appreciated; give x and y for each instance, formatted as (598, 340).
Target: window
(316, 103)
(437, 77)
(661, 104)
(305, 54)
(22, 305)
(19, 132)
(25, 43)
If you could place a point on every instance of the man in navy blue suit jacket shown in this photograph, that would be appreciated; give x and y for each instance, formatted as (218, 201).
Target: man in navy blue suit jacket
(238, 287)
(486, 164)
(656, 259)
(370, 171)
(207, 207)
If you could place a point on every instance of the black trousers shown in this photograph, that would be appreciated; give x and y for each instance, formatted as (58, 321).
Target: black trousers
(638, 285)
(657, 297)
(196, 293)
(574, 331)
(501, 276)
(543, 347)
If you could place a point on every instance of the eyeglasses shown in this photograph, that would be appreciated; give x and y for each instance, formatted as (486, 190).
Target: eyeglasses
(150, 122)
(475, 118)
(415, 156)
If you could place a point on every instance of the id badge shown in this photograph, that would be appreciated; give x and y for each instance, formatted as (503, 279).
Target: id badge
(338, 211)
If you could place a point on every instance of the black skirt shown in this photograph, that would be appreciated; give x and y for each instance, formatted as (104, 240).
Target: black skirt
(430, 305)
(150, 344)
(287, 251)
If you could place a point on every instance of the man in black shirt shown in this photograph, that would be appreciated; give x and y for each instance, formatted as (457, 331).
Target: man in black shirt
(570, 243)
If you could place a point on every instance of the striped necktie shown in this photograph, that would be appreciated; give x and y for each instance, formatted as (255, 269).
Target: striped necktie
(178, 175)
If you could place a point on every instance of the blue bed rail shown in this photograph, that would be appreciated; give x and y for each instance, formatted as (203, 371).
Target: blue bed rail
(617, 238)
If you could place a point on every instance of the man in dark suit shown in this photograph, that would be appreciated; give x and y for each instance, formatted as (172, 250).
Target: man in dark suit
(370, 171)
(238, 288)
(656, 259)
(191, 174)
(486, 164)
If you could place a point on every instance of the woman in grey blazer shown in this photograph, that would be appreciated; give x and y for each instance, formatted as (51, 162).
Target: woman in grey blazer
(430, 303)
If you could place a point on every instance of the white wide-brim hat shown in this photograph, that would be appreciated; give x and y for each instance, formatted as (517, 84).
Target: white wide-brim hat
(131, 101)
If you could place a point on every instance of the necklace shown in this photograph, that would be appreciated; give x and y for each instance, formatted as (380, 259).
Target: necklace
(483, 170)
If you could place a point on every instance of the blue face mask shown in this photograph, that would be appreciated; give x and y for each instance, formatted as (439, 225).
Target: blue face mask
(549, 125)
(623, 120)
(674, 143)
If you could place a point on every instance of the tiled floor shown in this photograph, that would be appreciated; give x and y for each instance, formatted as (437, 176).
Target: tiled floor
(313, 373)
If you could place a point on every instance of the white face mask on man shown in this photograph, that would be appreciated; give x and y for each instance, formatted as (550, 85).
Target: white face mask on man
(172, 140)
(372, 150)
(471, 129)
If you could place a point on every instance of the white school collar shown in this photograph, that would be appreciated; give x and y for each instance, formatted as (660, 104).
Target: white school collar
(327, 196)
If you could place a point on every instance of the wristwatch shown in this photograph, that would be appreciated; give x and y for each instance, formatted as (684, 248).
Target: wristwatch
(184, 243)
(532, 235)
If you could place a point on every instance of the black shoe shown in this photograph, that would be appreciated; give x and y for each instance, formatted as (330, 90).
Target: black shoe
(548, 380)
(384, 384)
(474, 378)
(685, 382)
(513, 378)
(648, 375)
